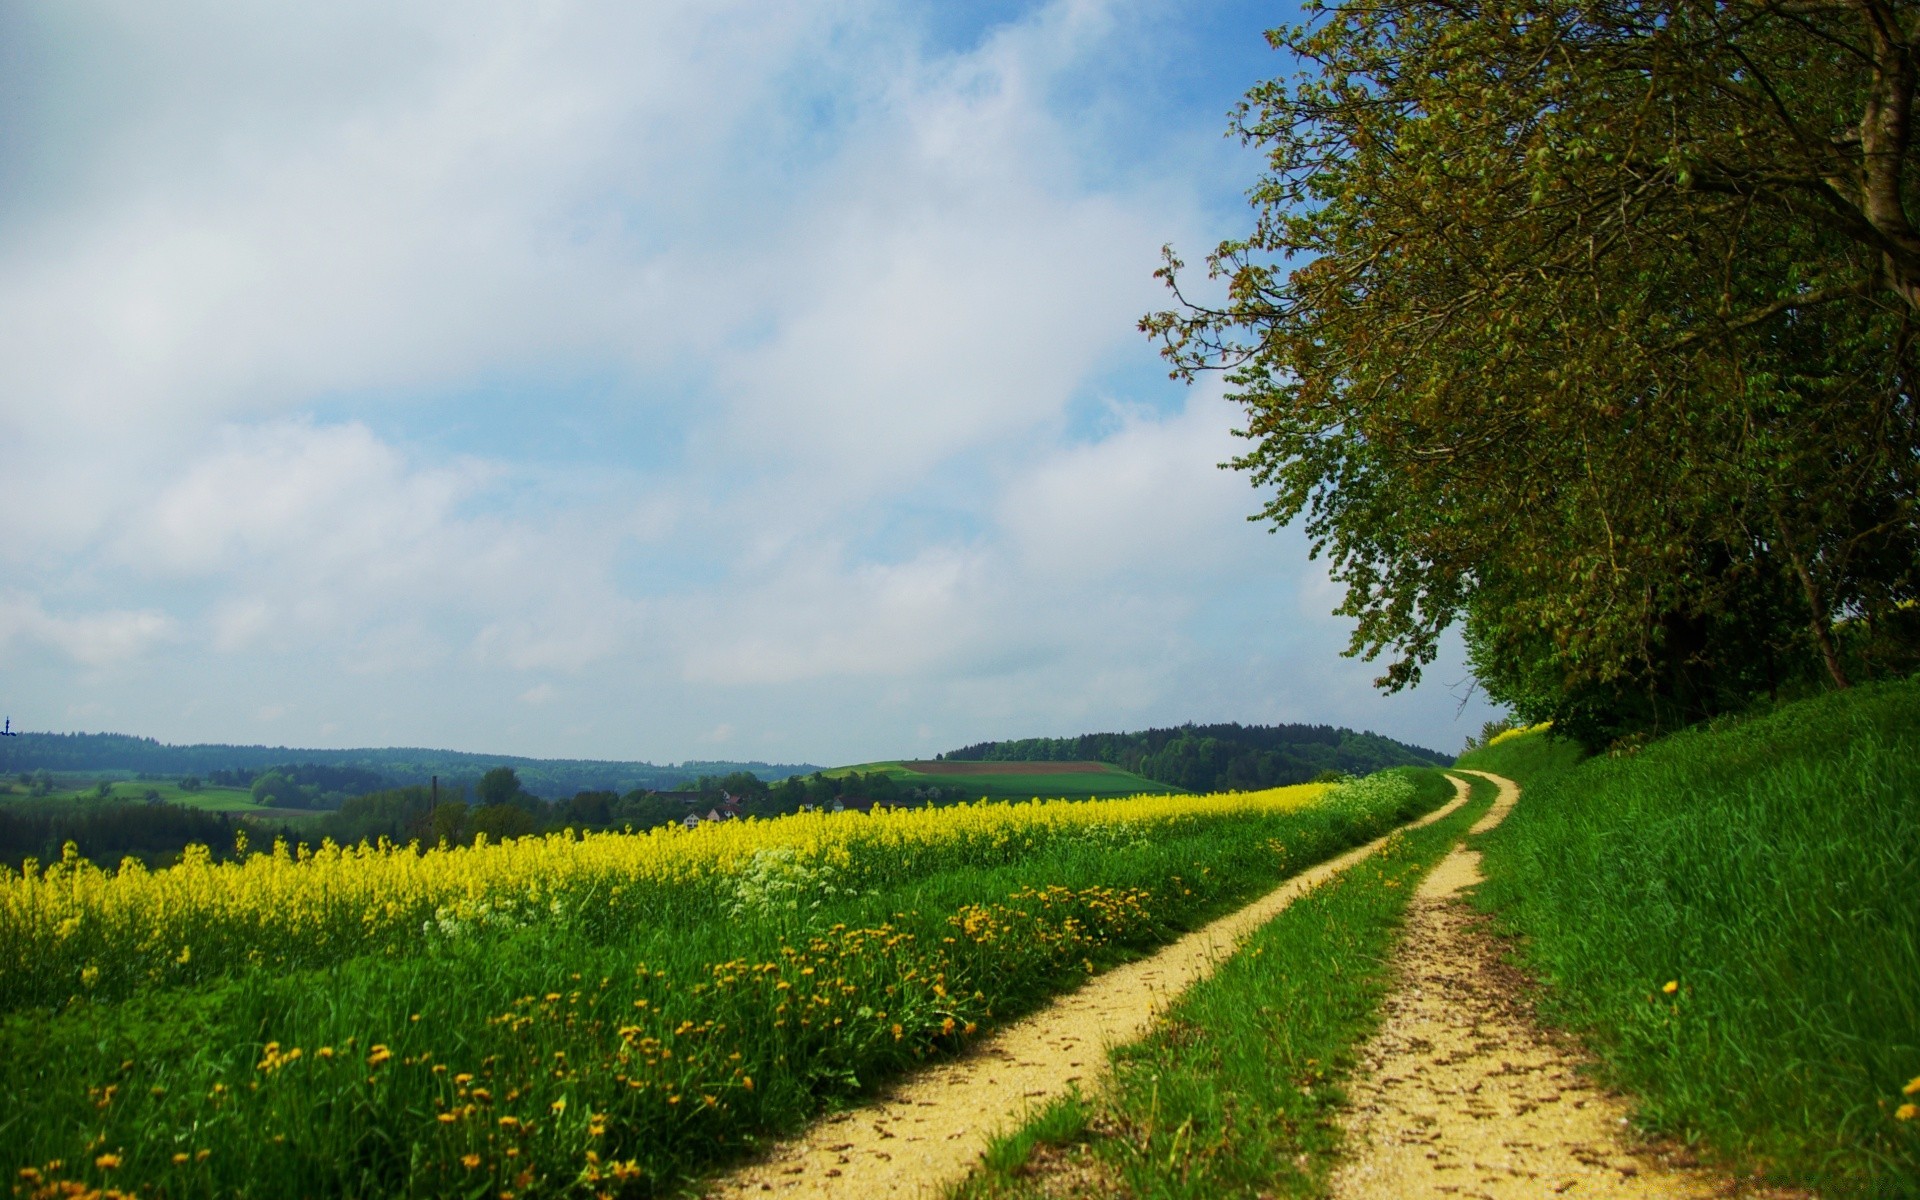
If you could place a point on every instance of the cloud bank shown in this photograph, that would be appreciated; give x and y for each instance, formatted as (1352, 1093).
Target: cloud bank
(628, 380)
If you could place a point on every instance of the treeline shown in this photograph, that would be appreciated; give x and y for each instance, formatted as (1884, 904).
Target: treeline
(107, 831)
(395, 767)
(1218, 758)
(500, 807)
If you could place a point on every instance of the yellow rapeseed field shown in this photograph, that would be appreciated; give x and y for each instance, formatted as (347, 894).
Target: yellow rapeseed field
(73, 928)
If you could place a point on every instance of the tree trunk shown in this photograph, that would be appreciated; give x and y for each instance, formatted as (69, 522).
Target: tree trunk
(1821, 626)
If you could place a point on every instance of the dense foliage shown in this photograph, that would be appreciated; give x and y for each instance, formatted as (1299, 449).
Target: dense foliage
(1217, 758)
(1590, 322)
(1730, 915)
(107, 830)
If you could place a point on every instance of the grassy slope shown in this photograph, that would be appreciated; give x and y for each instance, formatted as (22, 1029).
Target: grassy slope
(1238, 1093)
(1109, 782)
(1770, 868)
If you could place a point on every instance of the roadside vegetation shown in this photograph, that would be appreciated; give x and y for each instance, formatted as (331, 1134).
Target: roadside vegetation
(1731, 916)
(566, 1015)
(1238, 1094)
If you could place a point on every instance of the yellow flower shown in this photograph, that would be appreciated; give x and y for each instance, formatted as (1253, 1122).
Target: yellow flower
(1913, 1086)
(559, 1106)
(447, 1118)
(469, 1161)
(379, 1055)
(1906, 1112)
(1671, 986)
(107, 1162)
(181, 1158)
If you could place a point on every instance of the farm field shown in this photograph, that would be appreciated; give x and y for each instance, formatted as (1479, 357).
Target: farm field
(1016, 780)
(206, 799)
(573, 1015)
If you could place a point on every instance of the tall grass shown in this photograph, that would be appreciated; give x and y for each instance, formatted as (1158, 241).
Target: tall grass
(1733, 916)
(568, 1057)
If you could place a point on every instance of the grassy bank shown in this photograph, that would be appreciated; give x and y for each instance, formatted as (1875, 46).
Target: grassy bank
(1238, 1093)
(1732, 918)
(547, 1050)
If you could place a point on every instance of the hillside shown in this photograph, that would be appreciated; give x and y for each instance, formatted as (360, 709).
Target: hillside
(1727, 915)
(1007, 780)
(1213, 758)
(549, 778)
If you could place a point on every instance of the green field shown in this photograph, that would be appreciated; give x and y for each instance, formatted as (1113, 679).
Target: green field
(207, 799)
(1014, 780)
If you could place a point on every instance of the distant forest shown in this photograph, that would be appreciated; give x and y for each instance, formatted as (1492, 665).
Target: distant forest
(1216, 758)
(549, 778)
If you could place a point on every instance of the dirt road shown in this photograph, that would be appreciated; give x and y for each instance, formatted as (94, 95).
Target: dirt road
(925, 1134)
(1461, 1093)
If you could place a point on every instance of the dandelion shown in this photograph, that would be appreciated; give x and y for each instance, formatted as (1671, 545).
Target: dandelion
(470, 1161)
(1670, 987)
(1906, 1112)
(181, 1158)
(107, 1162)
(378, 1055)
(1912, 1088)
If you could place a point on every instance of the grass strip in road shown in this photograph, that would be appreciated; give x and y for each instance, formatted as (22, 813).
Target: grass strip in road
(1238, 1092)
(1731, 920)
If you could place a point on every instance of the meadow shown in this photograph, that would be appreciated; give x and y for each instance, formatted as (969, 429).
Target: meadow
(81, 789)
(1732, 918)
(577, 1015)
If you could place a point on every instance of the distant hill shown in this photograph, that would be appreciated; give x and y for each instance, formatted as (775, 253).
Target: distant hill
(1217, 758)
(551, 778)
(1007, 780)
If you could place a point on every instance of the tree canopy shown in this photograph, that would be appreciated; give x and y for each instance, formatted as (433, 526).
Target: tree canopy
(1589, 324)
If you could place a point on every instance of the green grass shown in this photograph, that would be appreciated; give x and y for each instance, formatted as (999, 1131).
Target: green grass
(1525, 757)
(691, 1034)
(1770, 867)
(1238, 1092)
(1109, 781)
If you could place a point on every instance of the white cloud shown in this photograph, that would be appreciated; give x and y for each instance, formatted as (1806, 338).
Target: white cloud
(96, 639)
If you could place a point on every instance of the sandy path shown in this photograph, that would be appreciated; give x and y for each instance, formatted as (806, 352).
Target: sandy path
(925, 1134)
(1461, 1094)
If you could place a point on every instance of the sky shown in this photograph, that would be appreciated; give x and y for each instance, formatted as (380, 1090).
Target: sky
(638, 380)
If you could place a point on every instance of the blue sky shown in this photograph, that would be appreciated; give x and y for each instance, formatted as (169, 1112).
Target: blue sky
(659, 380)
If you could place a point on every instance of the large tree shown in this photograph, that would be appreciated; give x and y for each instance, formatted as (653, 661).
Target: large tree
(1591, 322)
